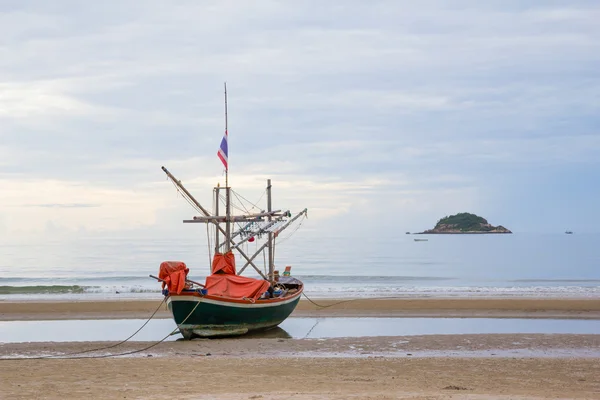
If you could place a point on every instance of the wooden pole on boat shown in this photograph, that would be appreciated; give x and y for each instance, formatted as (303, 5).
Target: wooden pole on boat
(227, 189)
(277, 232)
(217, 198)
(184, 190)
(271, 277)
(187, 280)
(180, 185)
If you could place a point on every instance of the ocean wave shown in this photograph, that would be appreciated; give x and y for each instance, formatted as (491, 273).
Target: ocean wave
(453, 291)
(72, 278)
(74, 289)
(585, 281)
(373, 278)
(122, 289)
(335, 289)
(42, 289)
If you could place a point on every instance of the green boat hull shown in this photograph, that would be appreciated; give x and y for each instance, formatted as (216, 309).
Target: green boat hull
(201, 317)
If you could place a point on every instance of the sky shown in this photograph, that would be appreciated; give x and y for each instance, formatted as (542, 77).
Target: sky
(379, 116)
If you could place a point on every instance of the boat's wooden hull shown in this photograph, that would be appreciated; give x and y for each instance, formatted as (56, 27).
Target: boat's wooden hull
(209, 316)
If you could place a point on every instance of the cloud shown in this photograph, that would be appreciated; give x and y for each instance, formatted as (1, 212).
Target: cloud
(42, 99)
(57, 205)
(344, 105)
(74, 205)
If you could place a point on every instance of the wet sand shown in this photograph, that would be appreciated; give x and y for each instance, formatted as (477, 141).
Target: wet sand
(399, 307)
(421, 367)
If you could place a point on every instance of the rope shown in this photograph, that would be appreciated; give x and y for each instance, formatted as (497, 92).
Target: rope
(234, 205)
(224, 202)
(242, 204)
(60, 357)
(329, 305)
(350, 300)
(311, 329)
(209, 243)
(264, 262)
(97, 349)
(273, 250)
(294, 231)
(254, 205)
(191, 203)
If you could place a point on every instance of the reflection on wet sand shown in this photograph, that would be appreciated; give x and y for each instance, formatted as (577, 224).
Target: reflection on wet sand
(273, 333)
(296, 328)
(270, 333)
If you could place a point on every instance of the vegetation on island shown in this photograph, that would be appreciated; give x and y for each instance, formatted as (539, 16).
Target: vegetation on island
(465, 223)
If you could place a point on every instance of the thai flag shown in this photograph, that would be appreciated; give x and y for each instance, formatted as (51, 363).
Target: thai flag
(222, 153)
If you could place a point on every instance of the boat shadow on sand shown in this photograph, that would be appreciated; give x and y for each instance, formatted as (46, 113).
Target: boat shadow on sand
(272, 333)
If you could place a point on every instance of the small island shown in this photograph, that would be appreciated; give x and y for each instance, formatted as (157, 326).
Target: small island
(465, 223)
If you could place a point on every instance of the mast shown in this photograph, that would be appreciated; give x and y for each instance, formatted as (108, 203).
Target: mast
(271, 274)
(217, 199)
(227, 189)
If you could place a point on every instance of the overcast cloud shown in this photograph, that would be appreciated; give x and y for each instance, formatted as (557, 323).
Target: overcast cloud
(387, 114)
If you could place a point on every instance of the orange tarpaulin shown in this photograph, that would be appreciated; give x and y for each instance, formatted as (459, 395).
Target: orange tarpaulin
(173, 273)
(224, 281)
(236, 286)
(223, 263)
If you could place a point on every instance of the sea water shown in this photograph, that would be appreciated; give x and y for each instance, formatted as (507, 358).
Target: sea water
(522, 265)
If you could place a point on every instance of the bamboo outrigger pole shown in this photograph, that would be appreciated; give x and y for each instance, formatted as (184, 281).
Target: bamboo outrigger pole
(217, 239)
(277, 232)
(271, 261)
(206, 213)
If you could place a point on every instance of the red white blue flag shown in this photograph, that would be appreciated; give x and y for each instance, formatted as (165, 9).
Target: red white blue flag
(222, 153)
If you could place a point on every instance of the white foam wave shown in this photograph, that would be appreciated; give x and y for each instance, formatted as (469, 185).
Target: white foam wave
(456, 291)
(332, 290)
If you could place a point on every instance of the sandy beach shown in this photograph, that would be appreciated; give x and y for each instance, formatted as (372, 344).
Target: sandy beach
(491, 366)
(303, 379)
(419, 367)
(389, 307)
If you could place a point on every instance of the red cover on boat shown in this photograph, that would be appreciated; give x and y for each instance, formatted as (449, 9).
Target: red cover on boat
(223, 263)
(235, 286)
(174, 274)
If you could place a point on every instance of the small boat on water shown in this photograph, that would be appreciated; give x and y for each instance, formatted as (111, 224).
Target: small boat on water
(569, 232)
(421, 240)
(228, 303)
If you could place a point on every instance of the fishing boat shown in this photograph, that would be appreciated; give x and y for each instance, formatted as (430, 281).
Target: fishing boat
(228, 303)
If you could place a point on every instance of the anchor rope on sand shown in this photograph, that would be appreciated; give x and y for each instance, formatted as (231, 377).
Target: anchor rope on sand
(329, 305)
(350, 300)
(78, 356)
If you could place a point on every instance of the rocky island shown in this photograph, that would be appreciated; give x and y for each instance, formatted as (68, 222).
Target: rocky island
(465, 223)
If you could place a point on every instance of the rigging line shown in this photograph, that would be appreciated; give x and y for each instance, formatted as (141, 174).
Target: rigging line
(232, 205)
(186, 198)
(241, 202)
(260, 198)
(184, 195)
(255, 205)
(294, 231)
(240, 209)
(62, 356)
